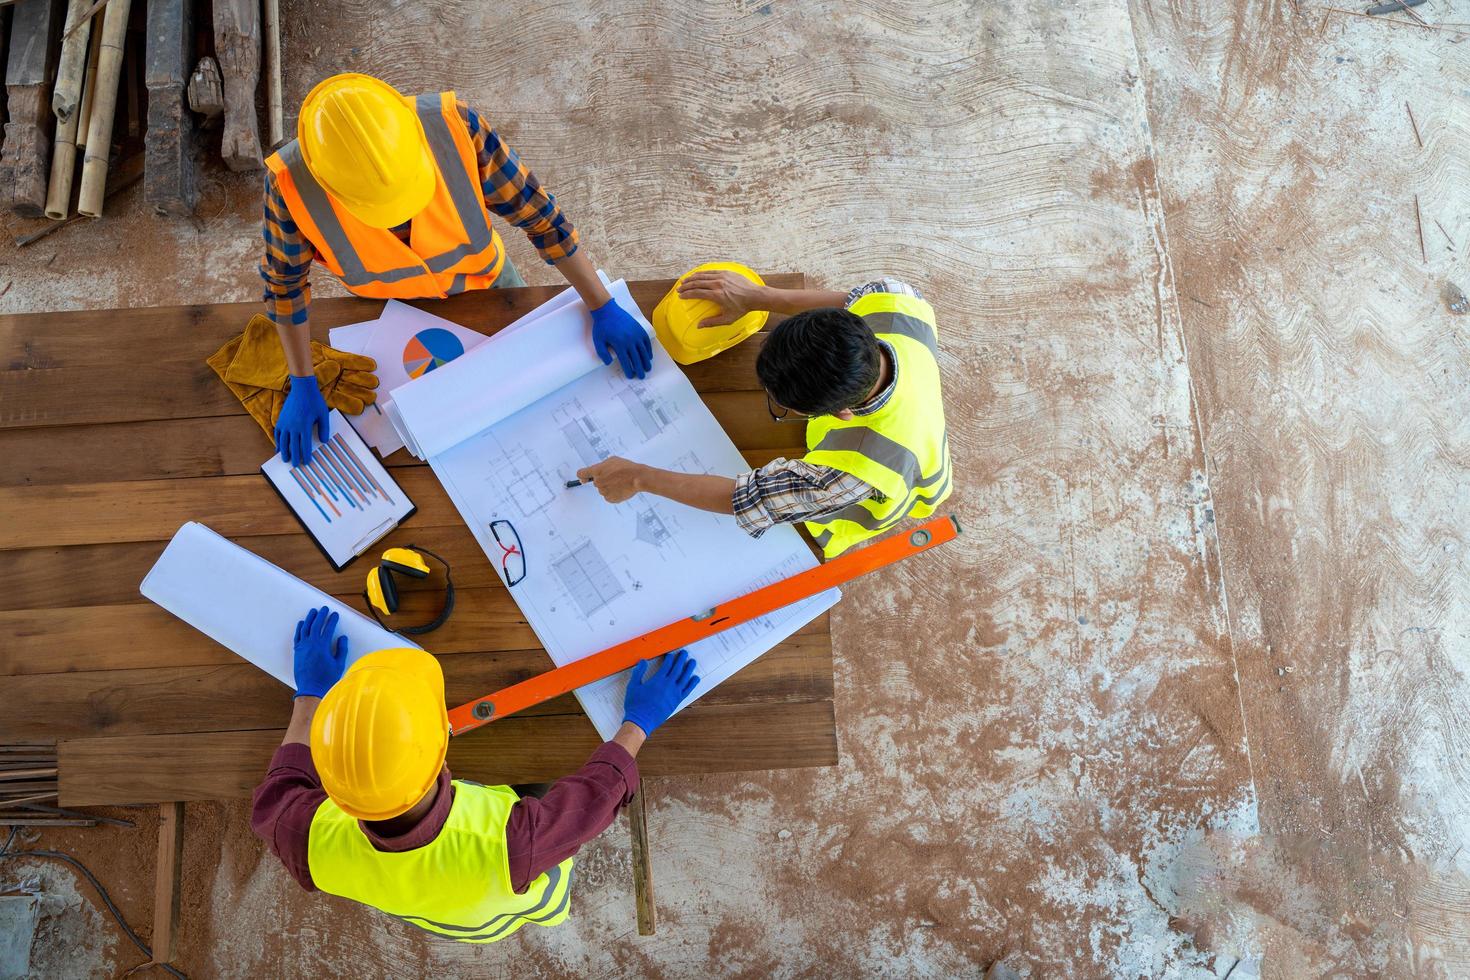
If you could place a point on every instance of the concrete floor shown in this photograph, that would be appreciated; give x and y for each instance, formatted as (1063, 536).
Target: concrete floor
(1191, 695)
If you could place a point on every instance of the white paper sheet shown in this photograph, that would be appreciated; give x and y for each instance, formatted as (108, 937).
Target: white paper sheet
(407, 343)
(248, 605)
(342, 494)
(507, 425)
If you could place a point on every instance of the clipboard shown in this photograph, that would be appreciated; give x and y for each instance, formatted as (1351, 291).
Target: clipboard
(342, 496)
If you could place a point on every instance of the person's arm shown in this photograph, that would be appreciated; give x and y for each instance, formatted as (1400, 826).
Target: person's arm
(542, 833)
(284, 804)
(286, 267)
(737, 296)
(617, 479)
(512, 191)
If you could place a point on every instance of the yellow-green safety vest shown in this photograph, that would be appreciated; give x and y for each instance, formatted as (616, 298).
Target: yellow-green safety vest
(457, 885)
(901, 449)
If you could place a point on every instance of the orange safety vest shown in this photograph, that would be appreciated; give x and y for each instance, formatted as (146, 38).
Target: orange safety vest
(451, 246)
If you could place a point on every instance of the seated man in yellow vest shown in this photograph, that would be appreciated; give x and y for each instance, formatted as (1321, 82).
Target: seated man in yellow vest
(393, 195)
(358, 801)
(861, 370)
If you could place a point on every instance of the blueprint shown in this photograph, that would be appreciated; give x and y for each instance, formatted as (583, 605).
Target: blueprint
(598, 573)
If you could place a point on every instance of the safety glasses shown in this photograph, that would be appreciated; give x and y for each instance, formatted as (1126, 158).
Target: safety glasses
(513, 556)
(780, 413)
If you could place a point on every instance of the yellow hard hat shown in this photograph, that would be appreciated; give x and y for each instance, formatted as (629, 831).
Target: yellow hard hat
(379, 736)
(676, 320)
(364, 143)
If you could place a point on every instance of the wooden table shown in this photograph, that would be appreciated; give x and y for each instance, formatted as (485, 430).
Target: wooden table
(113, 432)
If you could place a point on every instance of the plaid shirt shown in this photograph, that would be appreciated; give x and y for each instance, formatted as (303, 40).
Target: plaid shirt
(786, 491)
(509, 188)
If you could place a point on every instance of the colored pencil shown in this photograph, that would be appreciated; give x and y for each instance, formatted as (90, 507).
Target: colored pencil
(346, 467)
(324, 495)
(306, 490)
(330, 482)
(336, 469)
(365, 472)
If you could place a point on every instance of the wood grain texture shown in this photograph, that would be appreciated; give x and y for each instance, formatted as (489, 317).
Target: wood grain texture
(222, 766)
(167, 875)
(56, 354)
(238, 696)
(643, 899)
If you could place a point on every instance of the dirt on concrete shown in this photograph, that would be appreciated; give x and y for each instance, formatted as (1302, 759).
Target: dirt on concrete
(1208, 419)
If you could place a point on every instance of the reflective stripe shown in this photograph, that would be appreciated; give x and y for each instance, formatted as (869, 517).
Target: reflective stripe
(822, 537)
(912, 327)
(866, 519)
(553, 878)
(566, 897)
(467, 204)
(881, 449)
(320, 209)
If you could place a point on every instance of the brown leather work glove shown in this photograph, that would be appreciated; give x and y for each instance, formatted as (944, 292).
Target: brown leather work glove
(253, 366)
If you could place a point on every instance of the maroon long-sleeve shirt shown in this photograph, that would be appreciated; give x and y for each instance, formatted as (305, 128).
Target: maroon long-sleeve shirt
(539, 834)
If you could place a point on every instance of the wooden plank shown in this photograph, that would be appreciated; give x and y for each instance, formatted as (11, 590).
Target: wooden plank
(30, 70)
(170, 184)
(107, 574)
(141, 635)
(152, 510)
(85, 575)
(23, 786)
(167, 873)
(239, 506)
(58, 354)
(642, 867)
(239, 696)
(234, 445)
(237, 46)
(228, 765)
(13, 774)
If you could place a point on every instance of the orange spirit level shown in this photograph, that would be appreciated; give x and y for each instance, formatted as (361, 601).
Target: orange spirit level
(803, 585)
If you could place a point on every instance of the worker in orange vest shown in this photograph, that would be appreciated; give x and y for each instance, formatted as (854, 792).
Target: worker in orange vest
(393, 195)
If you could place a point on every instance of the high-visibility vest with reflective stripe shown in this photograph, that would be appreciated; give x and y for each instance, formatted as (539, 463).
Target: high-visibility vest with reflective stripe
(901, 449)
(457, 885)
(451, 246)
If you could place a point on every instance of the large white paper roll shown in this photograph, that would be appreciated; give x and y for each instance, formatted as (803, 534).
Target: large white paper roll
(246, 604)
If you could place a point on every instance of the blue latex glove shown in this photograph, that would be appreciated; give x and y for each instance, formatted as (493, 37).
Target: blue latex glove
(305, 407)
(319, 661)
(613, 326)
(649, 703)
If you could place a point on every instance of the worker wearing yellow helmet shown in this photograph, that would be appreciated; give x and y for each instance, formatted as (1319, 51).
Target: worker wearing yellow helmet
(359, 803)
(393, 195)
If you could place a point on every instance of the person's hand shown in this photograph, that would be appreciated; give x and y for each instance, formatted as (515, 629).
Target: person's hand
(650, 701)
(614, 327)
(319, 661)
(304, 409)
(735, 295)
(615, 478)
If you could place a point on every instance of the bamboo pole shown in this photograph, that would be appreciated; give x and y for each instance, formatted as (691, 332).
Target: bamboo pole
(89, 88)
(104, 107)
(275, 118)
(67, 96)
(63, 169)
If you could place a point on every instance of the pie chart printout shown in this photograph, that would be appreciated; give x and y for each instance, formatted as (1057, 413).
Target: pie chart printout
(429, 349)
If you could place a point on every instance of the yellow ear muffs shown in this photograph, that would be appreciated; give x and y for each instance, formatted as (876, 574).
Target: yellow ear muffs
(381, 591)
(381, 595)
(405, 561)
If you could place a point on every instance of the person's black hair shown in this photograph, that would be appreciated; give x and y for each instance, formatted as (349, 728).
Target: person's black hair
(820, 362)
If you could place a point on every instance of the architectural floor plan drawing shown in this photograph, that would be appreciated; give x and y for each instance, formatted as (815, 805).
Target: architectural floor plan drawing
(599, 573)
